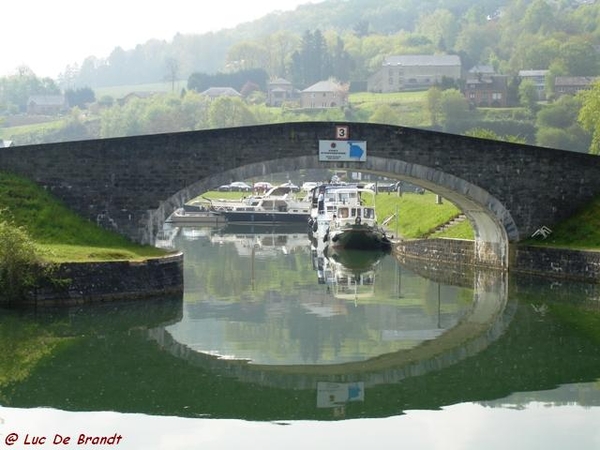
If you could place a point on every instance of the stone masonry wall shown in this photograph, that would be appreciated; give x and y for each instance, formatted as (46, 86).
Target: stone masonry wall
(557, 263)
(540, 261)
(105, 281)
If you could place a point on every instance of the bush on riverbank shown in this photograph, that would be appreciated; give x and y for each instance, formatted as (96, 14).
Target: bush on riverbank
(20, 263)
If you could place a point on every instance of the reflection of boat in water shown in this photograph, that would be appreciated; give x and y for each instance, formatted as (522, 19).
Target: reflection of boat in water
(262, 241)
(354, 260)
(348, 274)
(351, 273)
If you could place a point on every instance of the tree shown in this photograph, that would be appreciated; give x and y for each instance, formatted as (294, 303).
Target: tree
(589, 115)
(434, 100)
(454, 109)
(528, 96)
(227, 112)
(172, 71)
(80, 97)
(312, 63)
(386, 115)
(246, 55)
(489, 134)
(20, 263)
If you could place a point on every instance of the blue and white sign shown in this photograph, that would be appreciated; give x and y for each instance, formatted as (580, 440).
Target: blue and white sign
(343, 151)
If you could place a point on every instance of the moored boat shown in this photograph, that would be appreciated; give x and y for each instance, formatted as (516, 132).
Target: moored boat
(356, 229)
(196, 215)
(344, 217)
(268, 210)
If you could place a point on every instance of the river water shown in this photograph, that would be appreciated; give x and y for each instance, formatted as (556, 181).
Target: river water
(275, 346)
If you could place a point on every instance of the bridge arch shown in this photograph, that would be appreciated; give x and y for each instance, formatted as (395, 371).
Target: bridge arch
(492, 224)
(130, 184)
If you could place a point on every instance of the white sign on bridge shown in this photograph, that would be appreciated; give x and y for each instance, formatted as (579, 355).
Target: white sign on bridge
(343, 150)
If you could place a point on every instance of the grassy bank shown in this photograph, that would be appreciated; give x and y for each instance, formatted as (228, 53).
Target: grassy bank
(60, 234)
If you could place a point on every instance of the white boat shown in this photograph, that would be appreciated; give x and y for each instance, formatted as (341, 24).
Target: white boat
(278, 206)
(196, 215)
(285, 191)
(344, 218)
(355, 228)
(269, 211)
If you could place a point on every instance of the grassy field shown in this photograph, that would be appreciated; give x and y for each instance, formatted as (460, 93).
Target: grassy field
(60, 234)
(409, 106)
(117, 92)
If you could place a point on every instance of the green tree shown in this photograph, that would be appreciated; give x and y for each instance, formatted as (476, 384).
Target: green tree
(20, 264)
(312, 63)
(489, 134)
(589, 115)
(579, 57)
(434, 100)
(440, 27)
(528, 96)
(454, 109)
(227, 112)
(386, 115)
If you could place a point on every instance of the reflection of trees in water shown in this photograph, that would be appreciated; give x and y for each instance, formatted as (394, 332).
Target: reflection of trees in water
(111, 365)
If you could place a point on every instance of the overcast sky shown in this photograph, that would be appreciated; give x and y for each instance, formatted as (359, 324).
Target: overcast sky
(47, 35)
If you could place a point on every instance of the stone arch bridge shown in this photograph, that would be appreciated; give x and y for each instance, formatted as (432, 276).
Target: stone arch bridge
(132, 184)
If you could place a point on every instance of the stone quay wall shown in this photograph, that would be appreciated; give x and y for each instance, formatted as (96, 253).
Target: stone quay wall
(578, 265)
(113, 280)
(556, 262)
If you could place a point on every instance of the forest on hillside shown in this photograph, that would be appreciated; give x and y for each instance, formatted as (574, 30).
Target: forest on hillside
(346, 40)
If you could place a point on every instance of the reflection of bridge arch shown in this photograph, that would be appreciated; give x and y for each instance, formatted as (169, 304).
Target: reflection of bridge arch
(479, 328)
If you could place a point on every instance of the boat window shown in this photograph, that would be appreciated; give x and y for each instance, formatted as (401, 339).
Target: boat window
(368, 213)
(355, 212)
(343, 213)
(268, 204)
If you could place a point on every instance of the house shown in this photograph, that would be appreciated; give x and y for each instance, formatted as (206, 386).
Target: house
(538, 77)
(142, 95)
(411, 72)
(47, 105)
(484, 89)
(572, 85)
(280, 91)
(324, 94)
(216, 92)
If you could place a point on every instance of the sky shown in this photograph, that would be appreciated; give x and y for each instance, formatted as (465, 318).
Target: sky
(48, 35)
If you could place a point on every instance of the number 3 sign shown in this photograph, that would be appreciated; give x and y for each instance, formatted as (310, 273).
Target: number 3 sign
(342, 132)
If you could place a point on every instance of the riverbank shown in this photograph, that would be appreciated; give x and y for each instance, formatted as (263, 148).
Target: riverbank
(549, 262)
(85, 282)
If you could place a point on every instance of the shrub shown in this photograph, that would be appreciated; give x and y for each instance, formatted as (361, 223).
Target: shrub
(20, 264)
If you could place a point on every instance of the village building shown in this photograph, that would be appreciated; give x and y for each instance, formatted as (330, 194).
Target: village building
(485, 88)
(412, 72)
(216, 92)
(47, 105)
(280, 91)
(324, 94)
(572, 85)
(538, 78)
